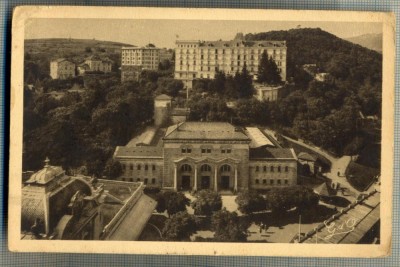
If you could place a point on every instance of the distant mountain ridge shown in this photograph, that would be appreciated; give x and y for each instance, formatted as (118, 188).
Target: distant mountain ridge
(371, 41)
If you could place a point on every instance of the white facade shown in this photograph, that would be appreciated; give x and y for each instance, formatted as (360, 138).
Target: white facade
(201, 59)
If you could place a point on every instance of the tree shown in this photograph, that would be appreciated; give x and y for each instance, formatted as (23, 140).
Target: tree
(88, 49)
(206, 202)
(279, 200)
(245, 83)
(268, 71)
(172, 202)
(229, 227)
(179, 227)
(113, 169)
(250, 201)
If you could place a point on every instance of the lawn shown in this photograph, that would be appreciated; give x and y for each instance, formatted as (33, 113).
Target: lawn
(360, 176)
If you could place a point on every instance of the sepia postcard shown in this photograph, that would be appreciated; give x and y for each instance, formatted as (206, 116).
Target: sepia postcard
(157, 130)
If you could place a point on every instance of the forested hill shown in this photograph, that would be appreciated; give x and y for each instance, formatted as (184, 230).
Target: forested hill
(344, 60)
(39, 53)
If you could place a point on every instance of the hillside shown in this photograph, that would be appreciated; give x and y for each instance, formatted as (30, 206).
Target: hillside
(39, 53)
(371, 41)
(344, 60)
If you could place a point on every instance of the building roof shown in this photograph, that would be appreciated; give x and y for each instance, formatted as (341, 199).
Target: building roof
(356, 220)
(163, 97)
(324, 190)
(272, 153)
(204, 131)
(144, 138)
(59, 60)
(138, 152)
(46, 174)
(258, 138)
(235, 43)
(306, 156)
(135, 220)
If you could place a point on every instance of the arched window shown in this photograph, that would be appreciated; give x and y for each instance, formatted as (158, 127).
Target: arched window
(205, 168)
(225, 168)
(186, 168)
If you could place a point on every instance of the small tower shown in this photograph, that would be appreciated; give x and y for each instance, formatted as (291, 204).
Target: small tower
(162, 108)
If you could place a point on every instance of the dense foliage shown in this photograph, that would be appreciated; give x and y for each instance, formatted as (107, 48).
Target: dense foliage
(206, 202)
(282, 199)
(82, 129)
(179, 227)
(172, 202)
(250, 201)
(229, 227)
(326, 113)
(268, 71)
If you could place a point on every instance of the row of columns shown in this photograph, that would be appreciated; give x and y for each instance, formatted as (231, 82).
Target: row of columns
(235, 185)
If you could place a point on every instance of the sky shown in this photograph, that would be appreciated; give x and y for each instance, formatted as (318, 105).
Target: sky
(164, 33)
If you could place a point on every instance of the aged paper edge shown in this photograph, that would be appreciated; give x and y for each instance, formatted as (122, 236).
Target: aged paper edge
(21, 14)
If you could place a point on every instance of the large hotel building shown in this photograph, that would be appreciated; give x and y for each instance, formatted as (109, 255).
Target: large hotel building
(201, 59)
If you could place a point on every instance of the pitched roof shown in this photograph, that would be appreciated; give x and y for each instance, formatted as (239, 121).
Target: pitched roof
(271, 153)
(138, 151)
(258, 138)
(204, 131)
(306, 156)
(163, 97)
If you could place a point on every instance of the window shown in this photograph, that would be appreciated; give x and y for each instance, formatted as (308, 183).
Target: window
(146, 180)
(186, 149)
(279, 181)
(225, 168)
(186, 168)
(279, 168)
(138, 167)
(153, 181)
(264, 181)
(286, 181)
(223, 151)
(131, 167)
(153, 167)
(205, 168)
(131, 179)
(272, 168)
(257, 168)
(265, 168)
(271, 182)
(123, 166)
(138, 180)
(206, 150)
(257, 181)
(146, 167)
(286, 168)
(228, 150)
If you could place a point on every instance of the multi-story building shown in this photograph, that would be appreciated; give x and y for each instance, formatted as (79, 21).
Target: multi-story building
(207, 155)
(136, 59)
(201, 59)
(62, 69)
(95, 64)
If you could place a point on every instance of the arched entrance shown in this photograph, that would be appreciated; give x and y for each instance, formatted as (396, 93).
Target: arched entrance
(205, 176)
(186, 177)
(226, 177)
